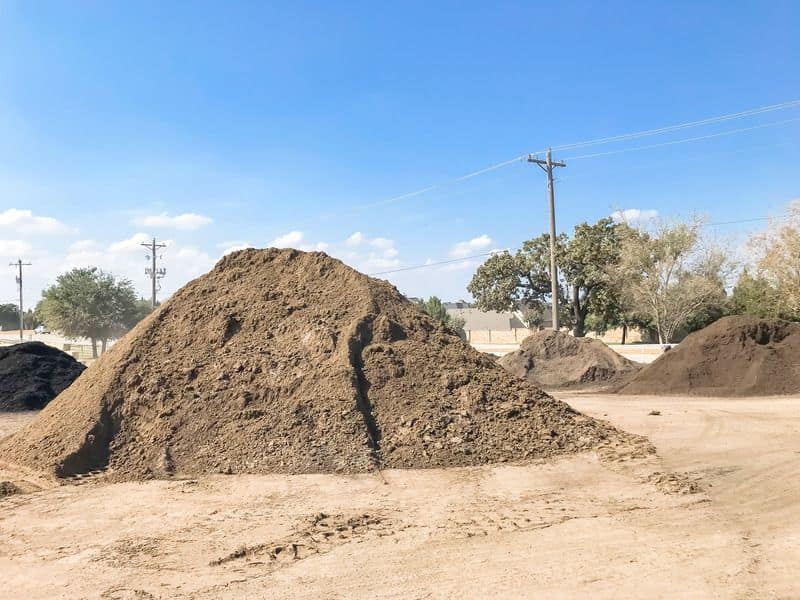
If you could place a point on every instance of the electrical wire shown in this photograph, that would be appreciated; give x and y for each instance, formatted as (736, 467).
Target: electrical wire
(670, 128)
(441, 184)
(441, 262)
(494, 252)
(683, 159)
(606, 140)
(684, 140)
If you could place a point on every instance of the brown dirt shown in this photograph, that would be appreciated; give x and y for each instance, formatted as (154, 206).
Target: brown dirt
(279, 361)
(712, 515)
(735, 356)
(553, 359)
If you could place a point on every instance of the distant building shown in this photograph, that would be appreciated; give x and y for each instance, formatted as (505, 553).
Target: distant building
(458, 304)
(485, 320)
(476, 319)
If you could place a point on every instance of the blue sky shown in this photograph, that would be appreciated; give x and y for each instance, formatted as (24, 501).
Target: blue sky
(263, 124)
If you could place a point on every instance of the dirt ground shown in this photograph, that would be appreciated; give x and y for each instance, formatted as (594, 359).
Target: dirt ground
(713, 514)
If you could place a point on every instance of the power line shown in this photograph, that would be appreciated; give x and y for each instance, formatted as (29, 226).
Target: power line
(684, 140)
(443, 183)
(693, 158)
(593, 142)
(753, 220)
(494, 252)
(606, 140)
(670, 128)
(441, 262)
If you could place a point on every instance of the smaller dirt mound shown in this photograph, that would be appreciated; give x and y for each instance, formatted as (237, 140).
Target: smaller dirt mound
(8, 488)
(735, 356)
(33, 373)
(553, 359)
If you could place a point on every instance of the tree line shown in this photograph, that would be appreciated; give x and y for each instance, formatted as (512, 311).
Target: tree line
(666, 279)
(84, 302)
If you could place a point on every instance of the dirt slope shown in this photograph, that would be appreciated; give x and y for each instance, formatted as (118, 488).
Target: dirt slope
(735, 356)
(32, 374)
(291, 362)
(554, 359)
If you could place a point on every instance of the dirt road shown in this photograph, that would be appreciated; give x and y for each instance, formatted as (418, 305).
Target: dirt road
(714, 514)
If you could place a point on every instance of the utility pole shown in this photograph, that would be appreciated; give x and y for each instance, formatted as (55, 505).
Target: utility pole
(154, 272)
(19, 264)
(547, 166)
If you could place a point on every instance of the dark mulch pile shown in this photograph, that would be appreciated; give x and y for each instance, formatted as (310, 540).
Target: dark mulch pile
(33, 373)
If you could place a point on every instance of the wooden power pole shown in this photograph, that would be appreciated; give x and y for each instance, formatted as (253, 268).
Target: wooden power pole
(547, 166)
(19, 264)
(154, 272)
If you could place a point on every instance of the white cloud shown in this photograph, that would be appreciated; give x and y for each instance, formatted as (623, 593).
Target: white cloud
(295, 239)
(354, 240)
(460, 265)
(133, 243)
(14, 248)
(25, 222)
(369, 255)
(183, 222)
(233, 246)
(289, 240)
(83, 245)
(126, 258)
(374, 263)
(229, 243)
(381, 243)
(475, 245)
(634, 216)
(361, 252)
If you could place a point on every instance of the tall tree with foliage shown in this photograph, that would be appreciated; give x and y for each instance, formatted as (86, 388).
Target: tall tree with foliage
(585, 267)
(773, 286)
(87, 302)
(522, 281)
(667, 276)
(434, 307)
(9, 316)
(754, 295)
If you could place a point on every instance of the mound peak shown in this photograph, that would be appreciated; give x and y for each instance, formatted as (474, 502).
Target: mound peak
(734, 356)
(291, 362)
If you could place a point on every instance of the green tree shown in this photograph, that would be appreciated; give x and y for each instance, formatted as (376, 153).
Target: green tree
(585, 267)
(435, 309)
(755, 295)
(668, 278)
(9, 316)
(774, 288)
(522, 281)
(87, 302)
(143, 308)
(30, 319)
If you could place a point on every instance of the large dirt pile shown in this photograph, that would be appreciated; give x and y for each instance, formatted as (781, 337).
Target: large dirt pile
(291, 362)
(32, 374)
(735, 356)
(553, 359)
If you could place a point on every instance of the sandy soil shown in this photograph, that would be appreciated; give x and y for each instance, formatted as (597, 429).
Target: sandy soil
(714, 514)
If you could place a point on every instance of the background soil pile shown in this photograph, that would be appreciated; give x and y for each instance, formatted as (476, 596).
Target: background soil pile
(32, 374)
(553, 359)
(285, 361)
(735, 356)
